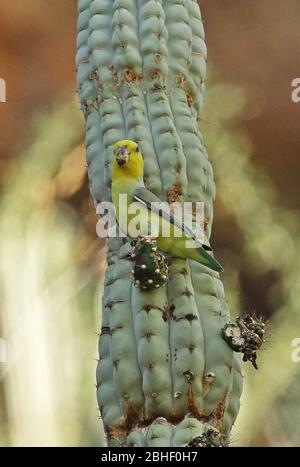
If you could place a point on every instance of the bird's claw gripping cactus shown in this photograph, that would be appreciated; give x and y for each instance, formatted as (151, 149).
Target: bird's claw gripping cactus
(150, 269)
(246, 336)
(165, 371)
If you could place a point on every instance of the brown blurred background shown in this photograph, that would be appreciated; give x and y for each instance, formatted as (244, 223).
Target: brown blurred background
(256, 45)
(253, 44)
(253, 47)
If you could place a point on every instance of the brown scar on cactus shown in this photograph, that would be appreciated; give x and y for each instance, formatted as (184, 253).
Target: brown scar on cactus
(189, 317)
(133, 421)
(174, 193)
(192, 404)
(246, 335)
(157, 57)
(131, 418)
(208, 381)
(189, 98)
(168, 312)
(146, 181)
(181, 80)
(206, 222)
(181, 84)
(131, 76)
(218, 413)
(154, 73)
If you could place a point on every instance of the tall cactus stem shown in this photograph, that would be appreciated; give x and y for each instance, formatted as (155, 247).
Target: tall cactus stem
(166, 376)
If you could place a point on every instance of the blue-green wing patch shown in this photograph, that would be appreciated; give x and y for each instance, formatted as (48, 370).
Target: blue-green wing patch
(146, 197)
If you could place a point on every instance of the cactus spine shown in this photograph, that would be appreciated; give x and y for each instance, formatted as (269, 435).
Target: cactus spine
(165, 377)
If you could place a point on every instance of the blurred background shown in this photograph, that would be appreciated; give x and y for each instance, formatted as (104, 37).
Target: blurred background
(52, 263)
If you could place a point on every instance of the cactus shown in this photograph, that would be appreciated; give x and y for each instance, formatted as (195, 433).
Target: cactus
(166, 376)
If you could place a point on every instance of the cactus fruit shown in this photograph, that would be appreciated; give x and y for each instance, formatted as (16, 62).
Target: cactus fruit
(246, 335)
(165, 372)
(211, 438)
(150, 269)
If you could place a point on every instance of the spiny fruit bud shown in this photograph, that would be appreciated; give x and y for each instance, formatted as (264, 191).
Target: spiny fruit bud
(246, 335)
(150, 270)
(211, 438)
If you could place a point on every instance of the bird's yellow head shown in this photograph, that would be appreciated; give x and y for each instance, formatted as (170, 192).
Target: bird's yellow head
(128, 160)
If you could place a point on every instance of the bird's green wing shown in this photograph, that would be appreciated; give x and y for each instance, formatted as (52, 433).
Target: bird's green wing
(147, 198)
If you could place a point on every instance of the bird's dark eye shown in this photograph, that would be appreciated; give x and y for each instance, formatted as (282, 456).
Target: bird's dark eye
(136, 149)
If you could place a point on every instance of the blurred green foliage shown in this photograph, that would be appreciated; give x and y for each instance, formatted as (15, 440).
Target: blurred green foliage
(267, 242)
(49, 315)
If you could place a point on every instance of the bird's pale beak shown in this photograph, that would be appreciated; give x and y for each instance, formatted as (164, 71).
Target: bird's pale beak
(122, 155)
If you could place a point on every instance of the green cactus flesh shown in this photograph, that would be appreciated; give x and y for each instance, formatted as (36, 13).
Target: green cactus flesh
(165, 372)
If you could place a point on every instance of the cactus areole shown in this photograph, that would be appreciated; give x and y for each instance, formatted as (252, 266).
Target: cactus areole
(166, 376)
